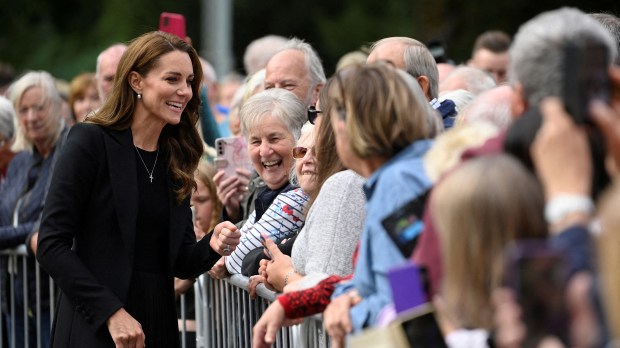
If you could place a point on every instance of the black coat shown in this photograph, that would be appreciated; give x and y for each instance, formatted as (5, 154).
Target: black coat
(87, 235)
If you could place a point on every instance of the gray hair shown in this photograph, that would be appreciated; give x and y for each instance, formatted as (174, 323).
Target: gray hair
(313, 62)
(536, 58)
(489, 107)
(476, 80)
(460, 97)
(418, 61)
(116, 50)
(276, 102)
(433, 119)
(49, 93)
(7, 118)
(259, 51)
(612, 24)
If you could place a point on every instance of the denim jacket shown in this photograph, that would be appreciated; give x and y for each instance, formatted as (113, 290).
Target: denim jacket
(390, 187)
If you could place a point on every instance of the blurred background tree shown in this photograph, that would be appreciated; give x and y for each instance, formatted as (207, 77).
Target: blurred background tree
(65, 36)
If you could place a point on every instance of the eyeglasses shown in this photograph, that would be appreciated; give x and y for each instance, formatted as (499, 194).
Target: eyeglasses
(300, 152)
(313, 114)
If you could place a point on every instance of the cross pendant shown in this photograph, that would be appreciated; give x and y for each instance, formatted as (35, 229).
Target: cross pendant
(151, 177)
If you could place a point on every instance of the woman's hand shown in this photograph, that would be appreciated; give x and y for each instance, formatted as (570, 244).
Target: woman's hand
(231, 191)
(126, 332)
(265, 330)
(219, 270)
(279, 266)
(337, 320)
(225, 238)
(561, 153)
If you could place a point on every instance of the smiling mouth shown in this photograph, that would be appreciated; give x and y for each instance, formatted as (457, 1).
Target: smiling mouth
(308, 173)
(174, 105)
(271, 164)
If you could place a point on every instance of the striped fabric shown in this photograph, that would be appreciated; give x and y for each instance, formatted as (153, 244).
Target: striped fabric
(284, 218)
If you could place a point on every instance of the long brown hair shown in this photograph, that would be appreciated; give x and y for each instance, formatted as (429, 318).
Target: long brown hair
(181, 141)
(387, 112)
(478, 209)
(328, 162)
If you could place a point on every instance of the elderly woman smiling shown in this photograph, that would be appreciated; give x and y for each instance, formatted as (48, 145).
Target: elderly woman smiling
(271, 122)
(39, 127)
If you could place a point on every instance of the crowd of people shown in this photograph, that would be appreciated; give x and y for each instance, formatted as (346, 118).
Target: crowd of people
(481, 176)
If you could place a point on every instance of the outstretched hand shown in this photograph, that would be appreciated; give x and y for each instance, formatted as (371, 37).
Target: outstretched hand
(225, 238)
(265, 330)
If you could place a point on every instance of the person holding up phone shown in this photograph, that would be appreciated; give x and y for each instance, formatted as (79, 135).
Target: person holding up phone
(271, 122)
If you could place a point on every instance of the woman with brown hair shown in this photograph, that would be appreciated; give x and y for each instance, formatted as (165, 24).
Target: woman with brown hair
(117, 226)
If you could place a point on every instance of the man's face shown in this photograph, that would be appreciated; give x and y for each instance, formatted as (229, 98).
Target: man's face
(495, 64)
(105, 78)
(392, 53)
(288, 70)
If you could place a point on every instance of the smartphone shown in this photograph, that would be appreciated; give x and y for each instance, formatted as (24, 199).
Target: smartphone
(585, 78)
(232, 153)
(264, 244)
(538, 276)
(407, 287)
(421, 327)
(173, 23)
(405, 225)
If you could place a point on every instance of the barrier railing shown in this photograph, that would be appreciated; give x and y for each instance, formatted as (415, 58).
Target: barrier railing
(225, 313)
(225, 316)
(16, 294)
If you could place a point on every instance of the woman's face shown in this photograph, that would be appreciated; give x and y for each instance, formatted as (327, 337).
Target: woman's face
(270, 145)
(88, 102)
(167, 88)
(203, 208)
(34, 117)
(306, 166)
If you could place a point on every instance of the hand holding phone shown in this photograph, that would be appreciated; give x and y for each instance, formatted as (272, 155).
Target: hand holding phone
(173, 23)
(232, 153)
(585, 78)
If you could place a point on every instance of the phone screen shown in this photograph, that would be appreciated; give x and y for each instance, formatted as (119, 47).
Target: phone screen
(405, 225)
(422, 329)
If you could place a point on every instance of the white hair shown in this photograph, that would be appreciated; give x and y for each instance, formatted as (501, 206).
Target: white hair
(7, 118)
(259, 51)
(49, 93)
(536, 54)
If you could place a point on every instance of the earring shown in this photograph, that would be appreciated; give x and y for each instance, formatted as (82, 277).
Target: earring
(139, 95)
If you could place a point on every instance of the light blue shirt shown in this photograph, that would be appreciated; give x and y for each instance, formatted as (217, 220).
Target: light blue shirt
(394, 184)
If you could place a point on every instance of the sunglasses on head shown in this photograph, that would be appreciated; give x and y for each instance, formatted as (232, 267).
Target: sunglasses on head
(313, 113)
(300, 152)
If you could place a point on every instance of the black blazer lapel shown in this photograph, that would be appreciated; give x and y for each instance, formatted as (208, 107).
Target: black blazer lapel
(123, 178)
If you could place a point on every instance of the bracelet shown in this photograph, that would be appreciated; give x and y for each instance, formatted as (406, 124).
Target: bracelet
(562, 205)
(287, 276)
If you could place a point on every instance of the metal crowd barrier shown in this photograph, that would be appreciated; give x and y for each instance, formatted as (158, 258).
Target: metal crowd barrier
(16, 261)
(225, 313)
(225, 316)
